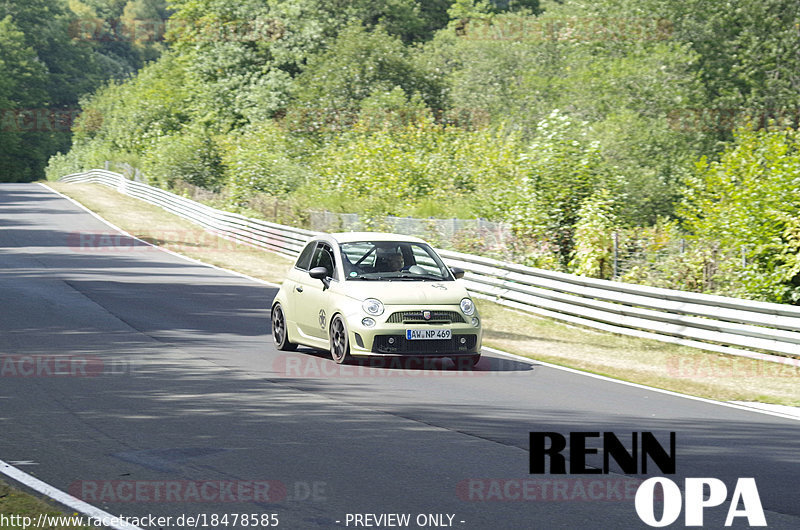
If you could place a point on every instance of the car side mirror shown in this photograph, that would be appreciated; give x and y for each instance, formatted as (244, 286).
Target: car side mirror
(457, 272)
(320, 273)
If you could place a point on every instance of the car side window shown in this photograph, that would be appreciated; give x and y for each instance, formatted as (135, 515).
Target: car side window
(304, 260)
(323, 257)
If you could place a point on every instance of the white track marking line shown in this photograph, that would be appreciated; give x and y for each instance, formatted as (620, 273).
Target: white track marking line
(173, 253)
(46, 489)
(64, 498)
(643, 387)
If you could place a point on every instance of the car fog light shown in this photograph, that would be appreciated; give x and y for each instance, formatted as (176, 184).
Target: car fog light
(475, 321)
(368, 322)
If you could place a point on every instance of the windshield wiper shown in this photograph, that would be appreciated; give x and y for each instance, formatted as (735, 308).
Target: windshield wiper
(412, 276)
(399, 276)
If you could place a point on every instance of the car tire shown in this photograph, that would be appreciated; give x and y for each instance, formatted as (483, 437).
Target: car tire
(340, 343)
(280, 333)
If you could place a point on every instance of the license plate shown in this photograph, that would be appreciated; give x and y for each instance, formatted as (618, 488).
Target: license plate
(428, 334)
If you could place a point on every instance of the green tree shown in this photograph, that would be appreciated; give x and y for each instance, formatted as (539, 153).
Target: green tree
(22, 86)
(328, 94)
(261, 158)
(747, 203)
(605, 67)
(187, 155)
(144, 22)
(563, 168)
(593, 254)
(747, 51)
(128, 116)
(47, 67)
(422, 168)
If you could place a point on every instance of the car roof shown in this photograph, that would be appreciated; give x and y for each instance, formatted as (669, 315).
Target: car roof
(351, 237)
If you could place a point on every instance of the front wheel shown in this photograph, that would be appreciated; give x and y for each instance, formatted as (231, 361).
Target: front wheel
(280, 334)
(340, 344)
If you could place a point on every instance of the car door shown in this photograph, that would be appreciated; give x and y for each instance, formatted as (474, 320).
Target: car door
(312, 299)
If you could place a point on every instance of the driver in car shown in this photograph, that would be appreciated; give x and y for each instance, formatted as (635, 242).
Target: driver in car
(390, 261)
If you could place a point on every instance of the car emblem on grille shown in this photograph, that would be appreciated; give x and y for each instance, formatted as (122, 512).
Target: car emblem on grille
(426, 315)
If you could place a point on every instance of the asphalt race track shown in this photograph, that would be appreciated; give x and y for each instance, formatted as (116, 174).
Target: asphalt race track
(157, 391)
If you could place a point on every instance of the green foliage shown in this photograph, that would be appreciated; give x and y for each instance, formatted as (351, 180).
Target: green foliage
(747, 51)
(749, 197)
(260, 158)
(433, 168)
(391, 110)
(127, 117)
(22, 85)
(362, 63)
(466, 9)
(563, 167)
(23, 80)
(145, 21)
(569, 120)
(188, 155)
(605, 64)
(61, 164)
(594, 237)
(46, 65)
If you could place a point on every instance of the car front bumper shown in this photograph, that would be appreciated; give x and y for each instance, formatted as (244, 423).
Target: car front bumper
(388, 336)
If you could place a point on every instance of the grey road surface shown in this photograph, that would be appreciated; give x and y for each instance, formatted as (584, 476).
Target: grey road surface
(149, 385)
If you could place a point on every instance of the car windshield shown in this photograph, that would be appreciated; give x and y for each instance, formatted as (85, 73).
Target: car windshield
(392, 261)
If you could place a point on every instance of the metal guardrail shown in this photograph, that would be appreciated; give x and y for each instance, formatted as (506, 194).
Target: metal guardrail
(277, 238)
(715, 323)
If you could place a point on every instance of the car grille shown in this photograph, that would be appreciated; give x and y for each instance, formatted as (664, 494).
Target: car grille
(397, 344)
(416, 317)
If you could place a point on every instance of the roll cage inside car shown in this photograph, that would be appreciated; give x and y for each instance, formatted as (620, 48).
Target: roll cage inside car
(392, 260)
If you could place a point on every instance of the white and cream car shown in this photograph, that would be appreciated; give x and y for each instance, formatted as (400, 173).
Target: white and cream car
(376, 295)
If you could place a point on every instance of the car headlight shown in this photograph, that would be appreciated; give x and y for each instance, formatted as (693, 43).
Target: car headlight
(373, 306)
(467, 307)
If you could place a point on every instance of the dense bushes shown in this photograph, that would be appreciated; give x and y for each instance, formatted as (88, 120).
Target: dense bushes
(749, 203)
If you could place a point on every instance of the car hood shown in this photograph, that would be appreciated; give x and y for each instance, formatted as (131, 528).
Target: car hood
(408, 293)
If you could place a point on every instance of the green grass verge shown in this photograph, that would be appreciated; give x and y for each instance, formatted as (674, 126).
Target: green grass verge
(15, 505)
(658, 364)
